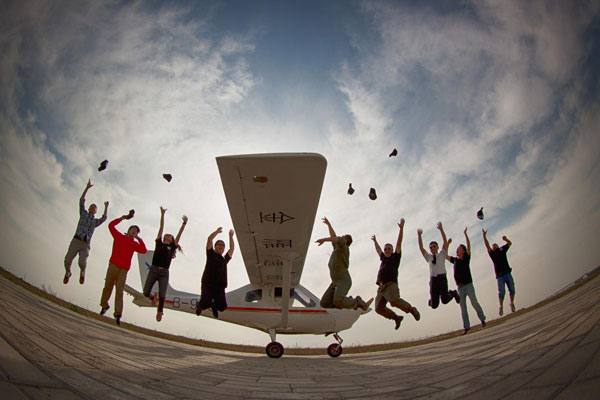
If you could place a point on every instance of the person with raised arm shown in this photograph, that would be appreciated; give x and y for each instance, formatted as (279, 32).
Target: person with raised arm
(124, 245)
(164, 252)
(339, 261)
(81, 243)
(214, 278)
(387, 281)
(503, 271)
(464, 282)
(438, 282)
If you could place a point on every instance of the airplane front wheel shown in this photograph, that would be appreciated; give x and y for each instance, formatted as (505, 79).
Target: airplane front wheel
(334, 350)
(274, 350)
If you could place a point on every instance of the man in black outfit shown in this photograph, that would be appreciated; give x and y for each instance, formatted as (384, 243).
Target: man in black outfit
(387, 280)
(214, 278)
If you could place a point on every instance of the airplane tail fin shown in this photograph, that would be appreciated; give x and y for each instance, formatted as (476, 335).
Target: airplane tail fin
(144, 263)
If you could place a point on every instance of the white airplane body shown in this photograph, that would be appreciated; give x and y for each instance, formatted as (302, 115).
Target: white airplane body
(272, 200)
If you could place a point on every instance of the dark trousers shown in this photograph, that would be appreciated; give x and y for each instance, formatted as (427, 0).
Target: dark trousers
(210, 296)
(438, 289)
(162, 276)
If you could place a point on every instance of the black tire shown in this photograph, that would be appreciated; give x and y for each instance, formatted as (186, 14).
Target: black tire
(334, 350)
(274, 350)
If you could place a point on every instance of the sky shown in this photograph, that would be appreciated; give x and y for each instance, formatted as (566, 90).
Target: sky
(490, 104)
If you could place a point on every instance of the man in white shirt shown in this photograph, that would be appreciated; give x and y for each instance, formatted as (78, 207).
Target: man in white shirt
(438, 282)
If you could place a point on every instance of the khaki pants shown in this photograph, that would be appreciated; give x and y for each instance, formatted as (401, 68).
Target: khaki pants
(115, 276)
(389, 292)
(335, 295)
(77, 247)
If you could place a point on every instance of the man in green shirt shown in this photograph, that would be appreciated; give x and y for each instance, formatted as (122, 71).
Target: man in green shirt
(335, 295)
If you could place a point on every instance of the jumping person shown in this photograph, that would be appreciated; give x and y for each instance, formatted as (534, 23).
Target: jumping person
(164, 252)
(335, 295)
(120, 261)
(214, 278)
(464, 282)
(438, 282)
(387, 280)
(503, 271)
(80, 244)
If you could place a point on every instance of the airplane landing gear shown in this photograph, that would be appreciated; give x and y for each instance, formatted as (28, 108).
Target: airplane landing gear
(274, 349)
(335, 349)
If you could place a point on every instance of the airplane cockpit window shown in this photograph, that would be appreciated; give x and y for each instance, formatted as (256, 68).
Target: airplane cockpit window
(254, 296)
(297, 297)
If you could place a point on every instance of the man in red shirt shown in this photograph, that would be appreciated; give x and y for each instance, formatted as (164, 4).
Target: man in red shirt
(120, 261)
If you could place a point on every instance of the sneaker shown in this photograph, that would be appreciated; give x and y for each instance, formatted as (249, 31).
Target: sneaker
(512, 307)
(456, 297)
(82, 278)
(415, 313)
(159, 316)
(66, 278)
(500, 311)
(482, 324)
(398, 320)
(104, 309)
(118, 320)
(198, 311)
(466, 330)
(214, 310)
(361, 303)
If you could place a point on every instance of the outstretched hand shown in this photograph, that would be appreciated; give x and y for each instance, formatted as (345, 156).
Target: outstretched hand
(484, 232)
(218, 230)
(419, 231)
(465, 230)
(231, 232)
(89, 184)
(373, 238)
(439, 226)
(401, 224)
(106, 204)
(449, 240)
(162, 210)
(326, 221)
(504, 238)
(185, 219)
(320, 241)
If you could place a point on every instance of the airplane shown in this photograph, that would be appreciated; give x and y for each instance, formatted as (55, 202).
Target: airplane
(272, 199)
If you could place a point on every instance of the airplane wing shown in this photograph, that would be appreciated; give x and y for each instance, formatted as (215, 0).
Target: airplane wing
(273, 201)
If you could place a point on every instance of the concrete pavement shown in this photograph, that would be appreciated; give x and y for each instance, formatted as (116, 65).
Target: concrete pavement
(47, 351)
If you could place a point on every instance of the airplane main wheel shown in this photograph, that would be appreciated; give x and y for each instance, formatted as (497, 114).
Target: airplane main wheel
(274, 350)
(334, 350)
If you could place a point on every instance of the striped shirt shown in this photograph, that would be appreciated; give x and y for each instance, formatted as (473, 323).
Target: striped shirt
(87, 223)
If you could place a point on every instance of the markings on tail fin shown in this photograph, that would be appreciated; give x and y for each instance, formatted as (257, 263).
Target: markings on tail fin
(148, 266)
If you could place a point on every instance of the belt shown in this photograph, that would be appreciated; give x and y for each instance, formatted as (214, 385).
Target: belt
(160, 267)
(78, 238)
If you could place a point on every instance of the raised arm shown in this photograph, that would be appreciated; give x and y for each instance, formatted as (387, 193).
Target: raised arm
(420, 235)
(468, 242)
(162, 223)
(445, 241)
(185, 220)
(105, 214)
(333, 239)
(331, 231)
(231, 243)
(485, 241)
(209, 242)
(377, 247)
(400, 236)
(447, 256)
(508, 242)
(87, 187)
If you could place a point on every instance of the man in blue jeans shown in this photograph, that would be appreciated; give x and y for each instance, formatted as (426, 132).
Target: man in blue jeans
(503, 271)
(464, 282)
